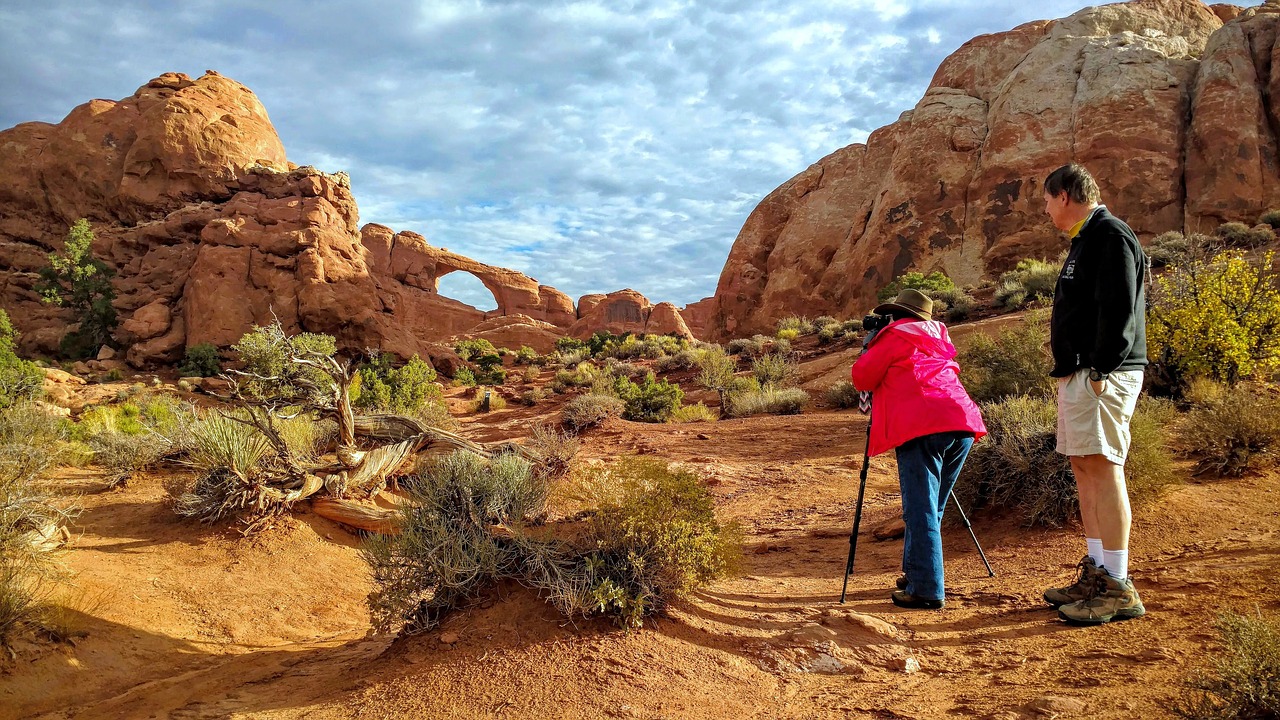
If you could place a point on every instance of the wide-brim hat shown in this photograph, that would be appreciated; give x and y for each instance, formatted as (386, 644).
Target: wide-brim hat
(912, 302)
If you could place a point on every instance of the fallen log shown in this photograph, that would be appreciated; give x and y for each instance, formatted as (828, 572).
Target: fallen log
(360, 516)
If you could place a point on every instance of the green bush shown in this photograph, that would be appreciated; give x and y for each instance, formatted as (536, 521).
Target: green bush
(530, 374)
(1232, 429)
(936, 280)
(383, 387)
(650, 401)
(1217, 318)
(201, 360)
(1015, 362)
(79, 280)
(836, 330)
(716, 371)
(1270, 218)
(528, 356)
(767, 400)
(534, 396)
(774, 369)
(588, 411)
(568, 344)
(128, 438)
(1028, 280)
(496, 401)
(475, 348)
(952, 304)
(464, 377)
(843, 395)
(20, 380)
(1017, 469)
(1239, 235)
(266, 351)
(1243, 679)
(749, 347)
(683, 360)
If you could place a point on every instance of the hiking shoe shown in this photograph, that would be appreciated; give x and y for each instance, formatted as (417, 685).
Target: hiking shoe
(904, 599)
(1113, 600)
(1080, 590)
(901, 582)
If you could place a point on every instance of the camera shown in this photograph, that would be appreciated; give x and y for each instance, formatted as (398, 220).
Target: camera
(874, 322)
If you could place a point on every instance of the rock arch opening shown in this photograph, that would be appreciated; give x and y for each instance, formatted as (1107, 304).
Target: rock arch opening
(466, 288)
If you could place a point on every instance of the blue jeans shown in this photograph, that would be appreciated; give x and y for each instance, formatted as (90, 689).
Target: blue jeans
(927, 470)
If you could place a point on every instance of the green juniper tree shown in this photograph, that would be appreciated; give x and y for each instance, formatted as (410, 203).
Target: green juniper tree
(82, 282)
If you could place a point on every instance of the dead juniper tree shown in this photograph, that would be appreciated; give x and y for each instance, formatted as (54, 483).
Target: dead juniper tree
(250, 470)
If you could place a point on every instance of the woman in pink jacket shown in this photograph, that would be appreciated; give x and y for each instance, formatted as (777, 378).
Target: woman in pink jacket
(920, 409)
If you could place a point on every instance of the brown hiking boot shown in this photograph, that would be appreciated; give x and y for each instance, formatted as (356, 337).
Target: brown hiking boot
(1114, 600)
(1081, 589)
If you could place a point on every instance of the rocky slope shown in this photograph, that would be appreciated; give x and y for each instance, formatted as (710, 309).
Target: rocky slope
(1168, 106)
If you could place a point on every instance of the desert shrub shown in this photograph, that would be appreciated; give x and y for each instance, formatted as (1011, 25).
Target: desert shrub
(114, 375)
(436, 414)
(768, 400)
(1012, 363)
(800, 326)
(651, 400)
(474, 348)
(789, 334)
(534, 396)
(1239, 235)
(749, 347)
(694, 413)
(494, 402)
(79, 280)
(31, 522)
(445, 551)
(489, 370)
(1232, 429)
(842, 395)
(936, 280)
(569, 344)
(383, 387)
(555, 452)
(1270, 218)
(716, 371)
(1169, 248)
(837, 330)
(773, 369)
(1243, 679)
(1217, 318)
(464, 377)
(19, 379)
(530, 374)
(683, 360)
(1028, 280)
(587, 411)
(1017, 468)
(131, 437)
(613, 366)
(201, 360)
(570, 358)
(228, 456)
(952, 304)
(528, 356)
(823, 321)
(654, 538)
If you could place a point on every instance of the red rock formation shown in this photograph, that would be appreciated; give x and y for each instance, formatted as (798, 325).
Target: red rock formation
(627, 311)
(1169, 109)
(699, 316)
(211, 231)
(513, 331)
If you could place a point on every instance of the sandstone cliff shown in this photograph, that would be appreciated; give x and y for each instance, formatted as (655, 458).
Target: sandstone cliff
(1171, 109)
(210, 230)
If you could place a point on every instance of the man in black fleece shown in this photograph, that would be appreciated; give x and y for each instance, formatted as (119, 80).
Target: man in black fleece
(1099, 339)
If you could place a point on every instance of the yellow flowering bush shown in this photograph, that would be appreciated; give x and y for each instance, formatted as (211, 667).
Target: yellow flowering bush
(1216, 318)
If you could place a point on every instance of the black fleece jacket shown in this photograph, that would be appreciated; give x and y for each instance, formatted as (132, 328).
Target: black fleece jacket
(1099, 307)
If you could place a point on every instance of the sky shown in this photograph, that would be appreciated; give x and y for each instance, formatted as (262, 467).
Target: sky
(591, 145)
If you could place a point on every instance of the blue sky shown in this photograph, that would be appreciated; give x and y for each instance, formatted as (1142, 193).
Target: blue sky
(591, 145)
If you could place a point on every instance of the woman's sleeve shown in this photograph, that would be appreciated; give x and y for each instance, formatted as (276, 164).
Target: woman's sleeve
(869, 370)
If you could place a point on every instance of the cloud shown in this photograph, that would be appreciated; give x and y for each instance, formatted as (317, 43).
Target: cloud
(592, 145)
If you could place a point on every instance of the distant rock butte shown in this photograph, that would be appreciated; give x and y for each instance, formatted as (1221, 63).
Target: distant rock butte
(211, 230)
(627, 311)
(1172, 111)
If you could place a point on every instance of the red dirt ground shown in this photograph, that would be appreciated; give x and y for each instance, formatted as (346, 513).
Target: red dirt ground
(179, 620)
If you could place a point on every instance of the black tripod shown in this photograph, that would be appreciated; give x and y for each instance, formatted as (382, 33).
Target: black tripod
(857, 518)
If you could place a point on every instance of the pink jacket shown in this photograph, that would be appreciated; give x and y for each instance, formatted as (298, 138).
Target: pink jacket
(910, 369)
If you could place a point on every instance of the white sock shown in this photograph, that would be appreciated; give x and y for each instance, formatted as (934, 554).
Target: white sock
(1095, 549)
(1116, 562)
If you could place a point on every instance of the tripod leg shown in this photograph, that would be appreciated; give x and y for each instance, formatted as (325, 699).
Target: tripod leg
(857, 513)
(967, 526)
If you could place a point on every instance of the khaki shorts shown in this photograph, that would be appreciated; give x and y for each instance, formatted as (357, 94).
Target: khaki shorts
(1090, 424)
